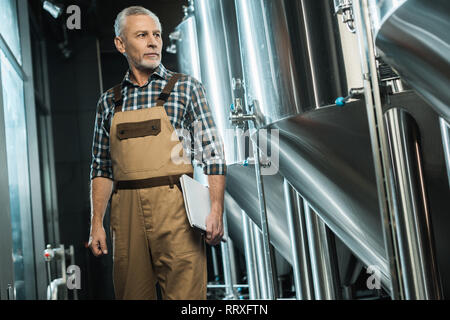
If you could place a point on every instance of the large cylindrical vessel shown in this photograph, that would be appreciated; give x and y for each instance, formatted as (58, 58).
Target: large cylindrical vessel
(295, 59)
(185, 37)
(220, 63)
(292, 55)
(413, 37)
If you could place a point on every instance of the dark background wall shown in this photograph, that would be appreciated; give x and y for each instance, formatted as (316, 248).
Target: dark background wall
(74, 84)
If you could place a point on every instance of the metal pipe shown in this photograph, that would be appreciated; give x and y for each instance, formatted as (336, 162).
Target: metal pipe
(378, 139)
(261, 267)
(215, 263)
(230, 294)
(293, 237)
(305, 259)
(231, 254)
(300, 264)
(445, 132)
(72, 262)
(268, 257)
(413, 227)
(321, 264)
(249, 257)
(276, 278)
(49, 276)
(99, 64)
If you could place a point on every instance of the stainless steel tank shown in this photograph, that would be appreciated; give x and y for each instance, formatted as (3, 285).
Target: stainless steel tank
(220, 59)
(220, 62)
(207, 48)
(326, 156)
(295, 55)
(294, 59)
(186, 47)
(413, 37)
(241, 186)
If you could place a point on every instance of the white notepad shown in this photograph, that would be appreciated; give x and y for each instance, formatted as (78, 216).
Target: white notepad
(196, 202)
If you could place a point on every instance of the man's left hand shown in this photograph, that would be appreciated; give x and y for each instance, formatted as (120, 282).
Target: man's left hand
(214, 228)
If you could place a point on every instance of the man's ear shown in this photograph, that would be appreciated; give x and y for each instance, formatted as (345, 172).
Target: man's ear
(120, 46)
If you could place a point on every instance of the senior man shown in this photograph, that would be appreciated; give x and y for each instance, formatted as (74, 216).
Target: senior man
(136, 163)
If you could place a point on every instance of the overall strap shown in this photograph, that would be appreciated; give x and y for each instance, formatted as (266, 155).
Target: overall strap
(165, 94)
(118, 98)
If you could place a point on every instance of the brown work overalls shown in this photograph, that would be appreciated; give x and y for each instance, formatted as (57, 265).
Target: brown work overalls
(152, 239)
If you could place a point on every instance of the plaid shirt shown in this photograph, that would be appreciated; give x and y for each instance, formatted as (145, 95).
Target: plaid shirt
(186, 108)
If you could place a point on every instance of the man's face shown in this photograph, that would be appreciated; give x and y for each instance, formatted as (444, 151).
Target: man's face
(141, 41)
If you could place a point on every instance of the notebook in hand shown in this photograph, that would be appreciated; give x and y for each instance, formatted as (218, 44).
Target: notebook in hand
(196, 202)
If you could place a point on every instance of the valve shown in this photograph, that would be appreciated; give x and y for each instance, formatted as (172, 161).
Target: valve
(340, 102)
(238, 115)
(49, 253)
(354, 92)
(345, 7)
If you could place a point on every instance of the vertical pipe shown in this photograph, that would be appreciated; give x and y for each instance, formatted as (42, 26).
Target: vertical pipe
(276, 279)
(250, 260)
(268, 257)
(305, 258)
(231, 254)
(49, 277)
(377, 138)
(255, 258)
(6, 244)
(99, 64)
(293, 237)
(215, 263)
(226, 271)
(321, 261)
(261, 267)
(62, 257)
(230, 294)
(72, 262)
(297, 234)
(445, 131)
(412, 227)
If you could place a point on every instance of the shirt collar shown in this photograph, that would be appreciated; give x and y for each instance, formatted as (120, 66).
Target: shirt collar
(160, 73)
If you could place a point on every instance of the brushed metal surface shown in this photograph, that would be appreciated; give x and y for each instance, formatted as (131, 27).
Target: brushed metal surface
(187, 48)
(241, 187)
(412, 219)
(326, 156)
(293, 55)
(434, 175)
(413, 37)
(219, 63)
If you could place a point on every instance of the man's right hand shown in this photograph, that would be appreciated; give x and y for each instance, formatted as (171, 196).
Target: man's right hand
(97, 240)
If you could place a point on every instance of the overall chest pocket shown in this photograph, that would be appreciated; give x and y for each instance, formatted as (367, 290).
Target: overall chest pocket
(140, 146)
(138, 129)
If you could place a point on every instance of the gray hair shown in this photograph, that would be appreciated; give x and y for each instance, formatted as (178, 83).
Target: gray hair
(133, 11)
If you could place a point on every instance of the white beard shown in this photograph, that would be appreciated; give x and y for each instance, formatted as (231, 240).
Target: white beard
(145, 65)
(149, 64)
